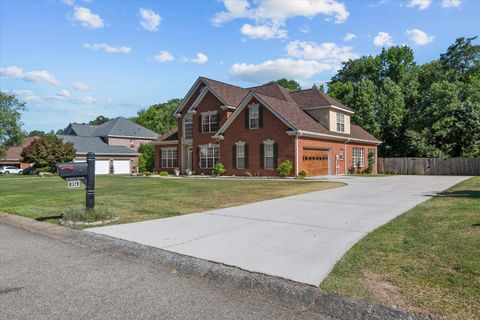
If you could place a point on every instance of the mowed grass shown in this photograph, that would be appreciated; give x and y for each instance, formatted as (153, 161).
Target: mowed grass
(142, 198)
(426, 261)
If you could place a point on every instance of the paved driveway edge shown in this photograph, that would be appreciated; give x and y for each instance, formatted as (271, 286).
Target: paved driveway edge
(285, 291)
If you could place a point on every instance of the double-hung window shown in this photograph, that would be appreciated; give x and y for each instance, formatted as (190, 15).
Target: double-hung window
(209, 156)
(254, 116)
(240, 155)
(340, 155)
(188, 127)
(340, 122)
(268, 155)
(209, 122)
(358, 157)
(169, 157)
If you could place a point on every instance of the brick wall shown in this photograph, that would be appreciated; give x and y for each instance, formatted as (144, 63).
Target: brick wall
(127, 142)
(273, 129)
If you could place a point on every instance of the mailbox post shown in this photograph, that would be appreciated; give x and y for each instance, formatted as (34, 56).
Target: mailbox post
(84, 171)
(90, 204)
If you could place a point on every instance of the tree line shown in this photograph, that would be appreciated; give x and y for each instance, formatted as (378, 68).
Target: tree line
(429, 110)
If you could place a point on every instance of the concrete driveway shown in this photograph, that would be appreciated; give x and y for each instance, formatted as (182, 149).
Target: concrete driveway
(299, 237)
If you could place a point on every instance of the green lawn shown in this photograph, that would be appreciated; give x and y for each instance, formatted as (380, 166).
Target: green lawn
(142, 198)
(425, 261)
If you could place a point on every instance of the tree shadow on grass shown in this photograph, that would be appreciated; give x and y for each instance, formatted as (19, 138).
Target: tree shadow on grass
(49, 218)
(473, 194)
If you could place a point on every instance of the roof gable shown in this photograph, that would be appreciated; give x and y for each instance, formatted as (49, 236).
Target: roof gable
(94, 144)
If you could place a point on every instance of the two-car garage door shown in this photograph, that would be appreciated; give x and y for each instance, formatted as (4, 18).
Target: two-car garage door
(315, 161)
(119, 166)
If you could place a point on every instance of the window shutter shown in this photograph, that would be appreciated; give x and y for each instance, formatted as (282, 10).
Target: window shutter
(247, 119)
(234, 156)
(246, 156)
(198, 157)
(275, 155)
(200, 123)
(262, 158)
(260, 116)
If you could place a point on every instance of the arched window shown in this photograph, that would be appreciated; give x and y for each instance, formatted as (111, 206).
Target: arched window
(187, 126)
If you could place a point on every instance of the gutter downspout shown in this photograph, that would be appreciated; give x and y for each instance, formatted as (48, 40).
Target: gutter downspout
(296, 153)
(345, 158)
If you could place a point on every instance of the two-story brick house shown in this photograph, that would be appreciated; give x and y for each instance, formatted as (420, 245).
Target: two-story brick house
(253, 130)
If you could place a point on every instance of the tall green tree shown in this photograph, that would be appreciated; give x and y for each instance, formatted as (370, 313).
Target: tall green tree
(159, 117)
(10, 125)
(46, 152)
(290, 85)
(98, 120)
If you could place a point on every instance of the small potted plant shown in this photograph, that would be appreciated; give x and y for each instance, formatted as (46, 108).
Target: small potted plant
(177, 172)
(189, 172)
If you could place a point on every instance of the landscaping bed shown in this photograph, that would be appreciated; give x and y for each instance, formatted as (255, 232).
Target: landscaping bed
(142, 198)
(426, 260)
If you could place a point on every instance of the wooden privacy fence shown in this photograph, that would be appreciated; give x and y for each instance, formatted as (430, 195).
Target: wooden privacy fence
(430, 166)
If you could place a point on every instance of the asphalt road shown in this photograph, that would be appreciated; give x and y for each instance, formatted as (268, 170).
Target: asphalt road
(48, 278)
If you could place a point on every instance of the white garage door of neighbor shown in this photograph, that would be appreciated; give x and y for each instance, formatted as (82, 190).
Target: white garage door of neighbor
(102, 167)
(121, 166)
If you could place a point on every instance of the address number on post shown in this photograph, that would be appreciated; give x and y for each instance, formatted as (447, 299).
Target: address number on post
(73, 184)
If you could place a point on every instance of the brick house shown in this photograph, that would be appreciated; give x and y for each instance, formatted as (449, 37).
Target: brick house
(14, 154)
(253, 130)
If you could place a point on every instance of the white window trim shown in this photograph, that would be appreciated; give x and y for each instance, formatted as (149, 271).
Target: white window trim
(206, 114)
(172, 159)
(265, 144)
(340, 122)
(341, 154)
(251, 106)
(207, 146)
(240, 144)
(184, 122)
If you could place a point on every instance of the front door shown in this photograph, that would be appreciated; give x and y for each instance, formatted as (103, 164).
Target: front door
(188, 164)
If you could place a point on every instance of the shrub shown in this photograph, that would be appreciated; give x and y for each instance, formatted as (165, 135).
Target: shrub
(146, 158)
(371, 162)
(285, 168)
(87, 215)
(218, 169)
(249, 174)
(44, 169)
(48, 151)
(164, 173)
(303, 174)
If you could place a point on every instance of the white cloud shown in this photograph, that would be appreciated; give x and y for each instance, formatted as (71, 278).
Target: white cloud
(451, 3)
(421, 4)
(15, 72)
(349, 37)
(263, 31)
(64, 93)
(305, 29)
(383, 39)
(107, 48)
(81, 86)
(69, 2)
(87, 18)
(26, 95)
(277, 12)
(279, 68)
(150, 20)
(328, 52)
(200, 58)
(419, 37)
(163, 56)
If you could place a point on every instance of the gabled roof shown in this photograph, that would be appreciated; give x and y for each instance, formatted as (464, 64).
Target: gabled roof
(84, 145)
(230, 94)
(119, 126)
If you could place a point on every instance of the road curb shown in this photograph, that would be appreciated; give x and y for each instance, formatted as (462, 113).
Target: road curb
(282, 290)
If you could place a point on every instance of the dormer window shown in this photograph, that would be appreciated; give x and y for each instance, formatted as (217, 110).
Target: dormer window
(254, 116)
(340, 122)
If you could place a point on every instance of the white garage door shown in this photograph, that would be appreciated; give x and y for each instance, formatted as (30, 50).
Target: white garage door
(121, 166)
(102, 167)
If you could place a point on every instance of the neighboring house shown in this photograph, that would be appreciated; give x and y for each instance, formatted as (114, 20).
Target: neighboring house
(115, 144)
(255, 129)
(14, 154)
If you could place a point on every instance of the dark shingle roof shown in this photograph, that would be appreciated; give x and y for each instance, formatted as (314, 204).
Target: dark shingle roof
(94, 144)
(230, 94)
(315, 98)
(83, 130)
(123, 127)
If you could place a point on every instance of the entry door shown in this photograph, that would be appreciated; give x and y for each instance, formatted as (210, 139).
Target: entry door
(315, 162)
(189, 158)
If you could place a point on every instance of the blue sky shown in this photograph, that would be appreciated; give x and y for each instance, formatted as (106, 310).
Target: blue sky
(73, 60)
